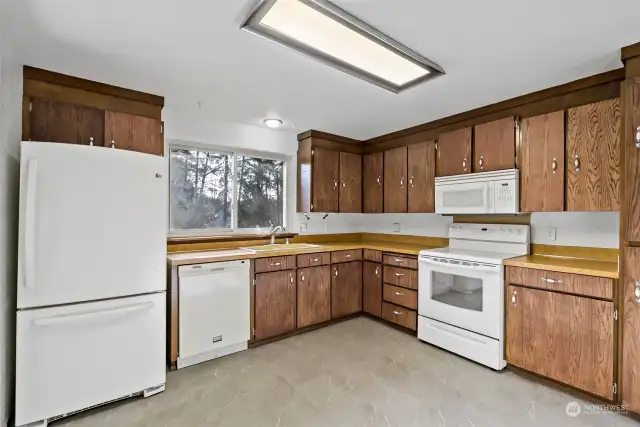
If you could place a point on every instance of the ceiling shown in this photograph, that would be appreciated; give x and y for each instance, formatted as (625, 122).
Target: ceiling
(191, 51)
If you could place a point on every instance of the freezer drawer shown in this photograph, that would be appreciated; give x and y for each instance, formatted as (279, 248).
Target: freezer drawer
(72, 357)
(214, 306)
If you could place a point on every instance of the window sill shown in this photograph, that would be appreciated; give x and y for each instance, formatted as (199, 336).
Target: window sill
(228, 238)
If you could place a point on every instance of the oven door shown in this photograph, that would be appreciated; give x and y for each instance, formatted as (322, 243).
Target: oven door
(465, 198)
(464, 294)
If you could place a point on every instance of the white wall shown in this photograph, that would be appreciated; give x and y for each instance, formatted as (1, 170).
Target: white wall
(10, 135)
(592, 229)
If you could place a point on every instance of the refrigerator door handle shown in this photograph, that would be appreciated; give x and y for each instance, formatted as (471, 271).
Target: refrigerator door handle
(30, 223)
(72, 318)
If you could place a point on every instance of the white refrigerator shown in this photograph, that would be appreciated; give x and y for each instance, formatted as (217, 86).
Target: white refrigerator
(91, 323)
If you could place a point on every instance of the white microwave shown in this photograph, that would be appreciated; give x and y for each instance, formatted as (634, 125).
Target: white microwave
(494, 192)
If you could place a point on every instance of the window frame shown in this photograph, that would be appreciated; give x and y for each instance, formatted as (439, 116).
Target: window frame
(220, 149)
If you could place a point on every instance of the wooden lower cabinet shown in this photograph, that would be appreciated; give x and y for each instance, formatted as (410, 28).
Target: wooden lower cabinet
(400, 316)
(275, 303)
(314, 295)
(346, 289)
(630, 368)
(372, 288)
(563, 337)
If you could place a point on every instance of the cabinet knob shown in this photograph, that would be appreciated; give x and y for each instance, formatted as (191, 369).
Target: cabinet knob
(576, 163)
(377, 271)
(91, 141)
(290, 278)
(554, 165)
(335, 272)
(638, 137)
(464, 164)
(113, 144)
(302, 277)
(343, 184)
(513, 298)
(411, 182)
(335, 184)
(378, 180)
(401, 182)
(481, 162)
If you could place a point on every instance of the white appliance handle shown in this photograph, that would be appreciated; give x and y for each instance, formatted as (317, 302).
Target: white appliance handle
(485, 197)
(30, 223)
(73, 318)
(449, 265)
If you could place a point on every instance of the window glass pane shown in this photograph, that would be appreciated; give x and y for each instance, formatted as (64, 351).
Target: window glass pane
(201, 189)
(260, 192)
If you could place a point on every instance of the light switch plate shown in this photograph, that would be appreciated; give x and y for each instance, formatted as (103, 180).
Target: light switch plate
(303, 228)
(396, 227)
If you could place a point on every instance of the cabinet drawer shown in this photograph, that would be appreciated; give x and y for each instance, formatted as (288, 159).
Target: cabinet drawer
(312, 260)
(400, 296)
(401, 261)
(372, 255)
(346, 256)
(400, 277)
(399, 315)
(599, 287)
(276, 263)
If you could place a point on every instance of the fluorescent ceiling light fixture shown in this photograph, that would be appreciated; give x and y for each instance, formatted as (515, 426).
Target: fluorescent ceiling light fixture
(325, 32)
(272, 123)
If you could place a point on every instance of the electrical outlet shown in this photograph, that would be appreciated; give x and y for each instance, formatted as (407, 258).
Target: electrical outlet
(551, 233)
(303, 228)
(396, 227)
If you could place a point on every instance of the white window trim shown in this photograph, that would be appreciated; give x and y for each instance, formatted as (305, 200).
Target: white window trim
(211, 232)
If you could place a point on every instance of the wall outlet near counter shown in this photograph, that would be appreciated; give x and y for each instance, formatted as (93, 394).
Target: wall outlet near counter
(551, 234)
(396, 227)
(303, 228)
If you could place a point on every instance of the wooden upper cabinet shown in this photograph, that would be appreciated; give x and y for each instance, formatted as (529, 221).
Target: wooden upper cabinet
(53, 121)
(542, 163)
(454, 152)
(395, 180)
(324, 181)
(275, 303)
(546, 334)
(630, 330)
(494, 145)
(350, 183)
(422, 173)
(372, 177)
(593, 157)
(346, 289)
(135, 133)
(631, 141)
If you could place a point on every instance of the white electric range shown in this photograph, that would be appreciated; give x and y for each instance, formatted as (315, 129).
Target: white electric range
(461, 290)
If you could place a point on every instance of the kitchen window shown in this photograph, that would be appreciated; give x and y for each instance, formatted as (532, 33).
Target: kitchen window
(215, 191)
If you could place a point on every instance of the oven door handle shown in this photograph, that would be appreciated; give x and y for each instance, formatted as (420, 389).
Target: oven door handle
(448, 264)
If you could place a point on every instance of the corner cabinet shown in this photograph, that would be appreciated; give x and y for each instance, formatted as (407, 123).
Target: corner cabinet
(372, 180)
(346, 289)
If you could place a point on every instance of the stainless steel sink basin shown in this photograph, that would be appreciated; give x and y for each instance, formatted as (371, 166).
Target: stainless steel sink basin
(280, 247)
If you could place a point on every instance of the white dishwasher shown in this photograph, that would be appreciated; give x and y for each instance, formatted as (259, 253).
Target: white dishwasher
(213, 310)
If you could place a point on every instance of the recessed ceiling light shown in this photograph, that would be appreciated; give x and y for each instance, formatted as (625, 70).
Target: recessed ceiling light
(272, 123)
(325, 32)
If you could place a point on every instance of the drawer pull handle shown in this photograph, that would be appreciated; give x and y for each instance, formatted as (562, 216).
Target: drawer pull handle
(554, 165)
(464, 164)
(545, 279)
(638, 137)
(576, 163)
(399, 260)
(347, 256)
(315, 259)
(399, 274)
(397, 313)
(378, 180)
(275, 264)
(377, 271)
(400, 294)
(302, 277)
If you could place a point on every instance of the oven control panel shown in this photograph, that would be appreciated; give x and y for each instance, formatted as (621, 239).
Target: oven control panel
(490, 232)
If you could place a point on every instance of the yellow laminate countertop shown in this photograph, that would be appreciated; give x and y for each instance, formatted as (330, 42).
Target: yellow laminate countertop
(231, 254)
(587, 267)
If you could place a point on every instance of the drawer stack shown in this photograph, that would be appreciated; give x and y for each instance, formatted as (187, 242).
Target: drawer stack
(400, 290)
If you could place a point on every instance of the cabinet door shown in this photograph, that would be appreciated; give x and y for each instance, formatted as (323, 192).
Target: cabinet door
(631, 330)
(324, 182)
(134, 133)
(631, 141)
(372, 176)
(454, 152)
(275, 303)
(494, 145)
(346, 289)
(350, 182)
(593, 157)
(314, 295)
(395, 180)
(564, 337)
(542, 163)
(422, 175)
(53, 121)
(372, 288)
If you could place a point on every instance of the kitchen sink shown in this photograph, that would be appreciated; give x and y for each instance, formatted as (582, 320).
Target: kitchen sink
(280, 247)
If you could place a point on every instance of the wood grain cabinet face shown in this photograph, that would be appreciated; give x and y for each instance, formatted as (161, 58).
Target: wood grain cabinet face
(494, 146)
(372, 288)
(541, 163)
(346, 289)
(395, 180)
(422, 173)
(372, 180)
(350, 183)
(134, 133)
(631, 148)
(630, 368)
(564, 337)
(454, 152)
(275, 303)
(324, 182)
(53, 121)
(593, 157)
(314, 295)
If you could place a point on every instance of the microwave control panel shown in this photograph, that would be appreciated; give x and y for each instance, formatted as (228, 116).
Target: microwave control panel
(506, 196)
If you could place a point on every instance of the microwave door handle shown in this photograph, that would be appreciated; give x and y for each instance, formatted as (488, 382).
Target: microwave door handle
(485, 197)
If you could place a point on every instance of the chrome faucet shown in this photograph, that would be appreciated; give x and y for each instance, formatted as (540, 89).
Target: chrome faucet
(273, 230)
